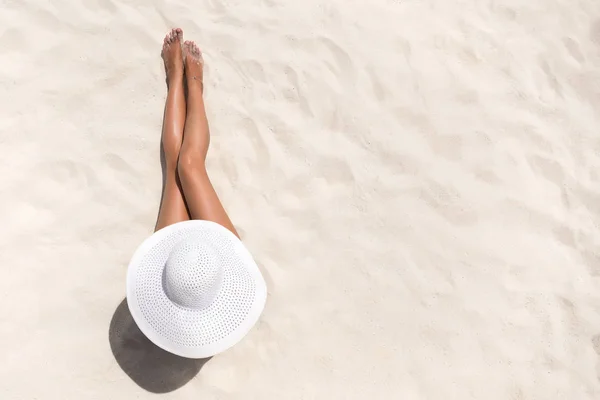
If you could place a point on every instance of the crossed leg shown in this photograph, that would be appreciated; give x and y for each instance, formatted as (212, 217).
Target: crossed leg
(201, 197)
(188, 191)
(172, 206)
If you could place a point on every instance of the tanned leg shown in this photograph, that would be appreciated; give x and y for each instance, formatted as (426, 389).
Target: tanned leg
(201, 198)
(172, 207)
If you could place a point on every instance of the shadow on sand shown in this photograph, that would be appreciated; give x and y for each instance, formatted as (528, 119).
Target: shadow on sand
(149, 366)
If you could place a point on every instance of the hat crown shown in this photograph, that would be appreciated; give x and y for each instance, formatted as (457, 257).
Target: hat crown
(193, 274)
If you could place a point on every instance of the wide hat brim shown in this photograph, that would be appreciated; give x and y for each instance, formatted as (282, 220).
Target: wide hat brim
(188, 332)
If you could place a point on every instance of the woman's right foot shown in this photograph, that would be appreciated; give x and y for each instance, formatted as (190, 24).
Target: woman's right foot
(171, 53)
(193, 65)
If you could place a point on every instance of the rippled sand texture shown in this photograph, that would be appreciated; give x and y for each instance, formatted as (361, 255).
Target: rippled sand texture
(419, 181)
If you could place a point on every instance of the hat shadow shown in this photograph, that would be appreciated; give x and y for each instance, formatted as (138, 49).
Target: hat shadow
(149, 366)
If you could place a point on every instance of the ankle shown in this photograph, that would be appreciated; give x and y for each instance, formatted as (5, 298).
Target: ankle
(175, 77)
(195, 82)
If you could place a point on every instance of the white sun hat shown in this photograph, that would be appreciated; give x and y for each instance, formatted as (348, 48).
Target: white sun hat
(194, 289)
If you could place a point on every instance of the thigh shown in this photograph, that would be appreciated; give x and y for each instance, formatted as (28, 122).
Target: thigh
(201, 198)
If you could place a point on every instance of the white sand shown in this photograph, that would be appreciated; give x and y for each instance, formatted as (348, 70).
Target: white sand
(418, 179)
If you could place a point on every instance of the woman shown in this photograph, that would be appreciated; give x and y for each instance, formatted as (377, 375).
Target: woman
(192, 287)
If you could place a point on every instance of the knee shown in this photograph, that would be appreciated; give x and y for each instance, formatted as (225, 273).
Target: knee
(190, 162)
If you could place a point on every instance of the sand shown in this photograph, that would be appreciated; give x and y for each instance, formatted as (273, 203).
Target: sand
(419, 181)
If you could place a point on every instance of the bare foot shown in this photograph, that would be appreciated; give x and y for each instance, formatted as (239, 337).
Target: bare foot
(193, 65)
(171, 53)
